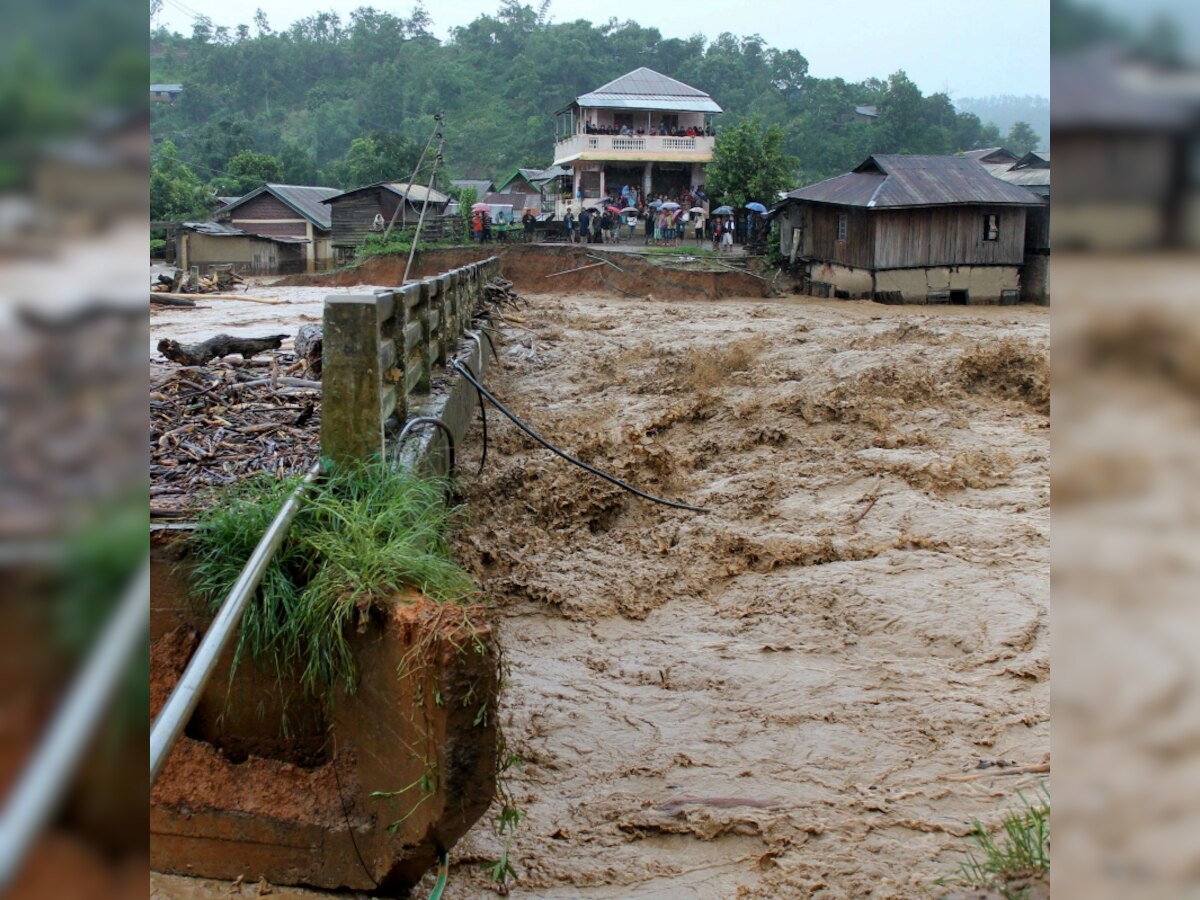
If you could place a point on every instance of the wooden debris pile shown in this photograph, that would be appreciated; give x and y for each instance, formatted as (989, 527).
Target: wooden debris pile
(499, 292)
(218, 424)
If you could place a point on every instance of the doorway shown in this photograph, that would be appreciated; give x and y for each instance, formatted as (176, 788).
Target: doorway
(960, 298)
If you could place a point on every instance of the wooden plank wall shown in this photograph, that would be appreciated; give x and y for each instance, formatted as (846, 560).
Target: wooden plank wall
(821, 232)
(264, 206)
(947, 236)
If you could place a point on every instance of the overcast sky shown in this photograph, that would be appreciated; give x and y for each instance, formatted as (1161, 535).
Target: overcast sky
(968, 48)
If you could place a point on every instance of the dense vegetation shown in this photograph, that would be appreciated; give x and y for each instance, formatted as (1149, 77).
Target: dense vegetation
(344, 102)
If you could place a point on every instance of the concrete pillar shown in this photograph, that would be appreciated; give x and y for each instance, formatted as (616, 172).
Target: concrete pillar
(647, 180)
(310, 249)
(602, 187)
(576, 175)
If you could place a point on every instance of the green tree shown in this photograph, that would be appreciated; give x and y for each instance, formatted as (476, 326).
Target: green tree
(749, 163)
(369, 160)
(247, 171)
(1022, 139)
(176, 193)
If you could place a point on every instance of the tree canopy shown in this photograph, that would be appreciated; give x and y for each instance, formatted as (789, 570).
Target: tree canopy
(749, 164)
(346, 101)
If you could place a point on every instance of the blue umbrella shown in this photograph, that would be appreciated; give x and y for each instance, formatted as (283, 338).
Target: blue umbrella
(757, 207)
(723, 211)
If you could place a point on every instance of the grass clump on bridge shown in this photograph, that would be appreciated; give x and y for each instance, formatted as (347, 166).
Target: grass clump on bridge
(363, 536)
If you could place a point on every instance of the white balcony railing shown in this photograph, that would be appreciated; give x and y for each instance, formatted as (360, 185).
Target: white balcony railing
(625, 145)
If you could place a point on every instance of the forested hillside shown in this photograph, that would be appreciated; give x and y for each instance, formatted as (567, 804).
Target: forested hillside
(339, 101)
(1006, 111)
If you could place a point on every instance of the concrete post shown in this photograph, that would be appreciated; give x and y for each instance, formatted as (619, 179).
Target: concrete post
(351, 420)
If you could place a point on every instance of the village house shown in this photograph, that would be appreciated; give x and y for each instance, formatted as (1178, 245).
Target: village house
(1032, 172)
(365, 210)
(911, 229)
(288, 211)
(209, 244)
(1132, 135)
(165, 93)
(643, 130)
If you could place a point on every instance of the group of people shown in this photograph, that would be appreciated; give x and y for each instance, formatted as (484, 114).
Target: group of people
(662, 129)
(664, 227)
(484, 228)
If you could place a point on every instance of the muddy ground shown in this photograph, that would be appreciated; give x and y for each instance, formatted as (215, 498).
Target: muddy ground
(764, 700)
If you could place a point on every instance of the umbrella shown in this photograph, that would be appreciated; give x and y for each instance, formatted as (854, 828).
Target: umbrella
(670, 205)
(723, 211)
(696, 209)
(629, 209)
(480, 207)
(613, 209)
(757, 207)
(655, 203)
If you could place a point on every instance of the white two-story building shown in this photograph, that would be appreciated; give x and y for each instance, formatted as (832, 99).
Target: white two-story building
(644, 130)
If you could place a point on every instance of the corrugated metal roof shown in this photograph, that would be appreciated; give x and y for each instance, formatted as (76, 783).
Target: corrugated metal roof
(166, 88)
(646, 89)
(304, 200)
(519, 200)
(991, 154)
(550, 174)
(480, 185)
(1090, 94)
(414, 193)
(1035, 159)
(219, 229)
(872, 111)
(883, 182)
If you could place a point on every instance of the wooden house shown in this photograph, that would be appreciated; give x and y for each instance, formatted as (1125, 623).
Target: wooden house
(911, 229)
(365, 210)
(1131, 143)
(286, 211)
(207, 244)
(1032, 172)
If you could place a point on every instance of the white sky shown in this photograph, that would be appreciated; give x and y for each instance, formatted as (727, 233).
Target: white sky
(968, 48)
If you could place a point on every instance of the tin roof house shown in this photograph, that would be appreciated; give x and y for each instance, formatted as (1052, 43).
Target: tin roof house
(643, 130)
(910, 229)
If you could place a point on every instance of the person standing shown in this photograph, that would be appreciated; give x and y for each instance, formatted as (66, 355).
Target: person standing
(487, 227)
(699, 223)
(527, 220)
(596, 222)
(569, 221)
(727, 235)
(477, 227)
(583, 226)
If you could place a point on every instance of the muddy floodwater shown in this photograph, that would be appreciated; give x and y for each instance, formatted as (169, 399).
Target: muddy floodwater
(769, 699)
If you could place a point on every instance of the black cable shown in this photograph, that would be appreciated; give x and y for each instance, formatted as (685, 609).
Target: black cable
(545, 443)
(428, 420)
(349, 829)
(482, 418)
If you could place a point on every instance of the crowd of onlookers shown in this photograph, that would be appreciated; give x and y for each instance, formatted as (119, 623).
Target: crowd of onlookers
(662, 129)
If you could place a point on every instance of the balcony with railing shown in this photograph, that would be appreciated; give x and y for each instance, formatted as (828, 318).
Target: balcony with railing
(634, 147)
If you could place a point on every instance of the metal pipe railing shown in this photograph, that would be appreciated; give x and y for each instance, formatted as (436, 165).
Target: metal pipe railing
(182, 702)
(34, 799)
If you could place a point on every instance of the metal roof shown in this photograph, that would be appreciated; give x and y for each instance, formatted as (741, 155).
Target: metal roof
(219, 229)
(884, 181)
(871, 111)
(304, 200)
(991, 155)
(1034, 159)
(480, 185)
(166, 88)
(413, 193)
(1089, 93)
(646, 89)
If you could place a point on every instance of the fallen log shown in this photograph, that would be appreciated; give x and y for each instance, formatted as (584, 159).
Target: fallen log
(161, 298)
(309, 343)
(269, 300)
(221, 345)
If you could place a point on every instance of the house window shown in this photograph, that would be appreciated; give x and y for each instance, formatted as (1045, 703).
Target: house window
(991, 227)
(841, 227)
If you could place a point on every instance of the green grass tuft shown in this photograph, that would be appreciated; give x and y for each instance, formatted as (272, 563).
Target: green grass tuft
(363, 534)
(1018, 859)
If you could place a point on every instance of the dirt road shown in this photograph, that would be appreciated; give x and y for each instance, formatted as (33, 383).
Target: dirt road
(764, 700)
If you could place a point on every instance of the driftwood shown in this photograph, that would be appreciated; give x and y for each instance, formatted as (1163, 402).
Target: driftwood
(219, 346)
(164, 299)
(309, 342)
(1039, 769)
(247, 297)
